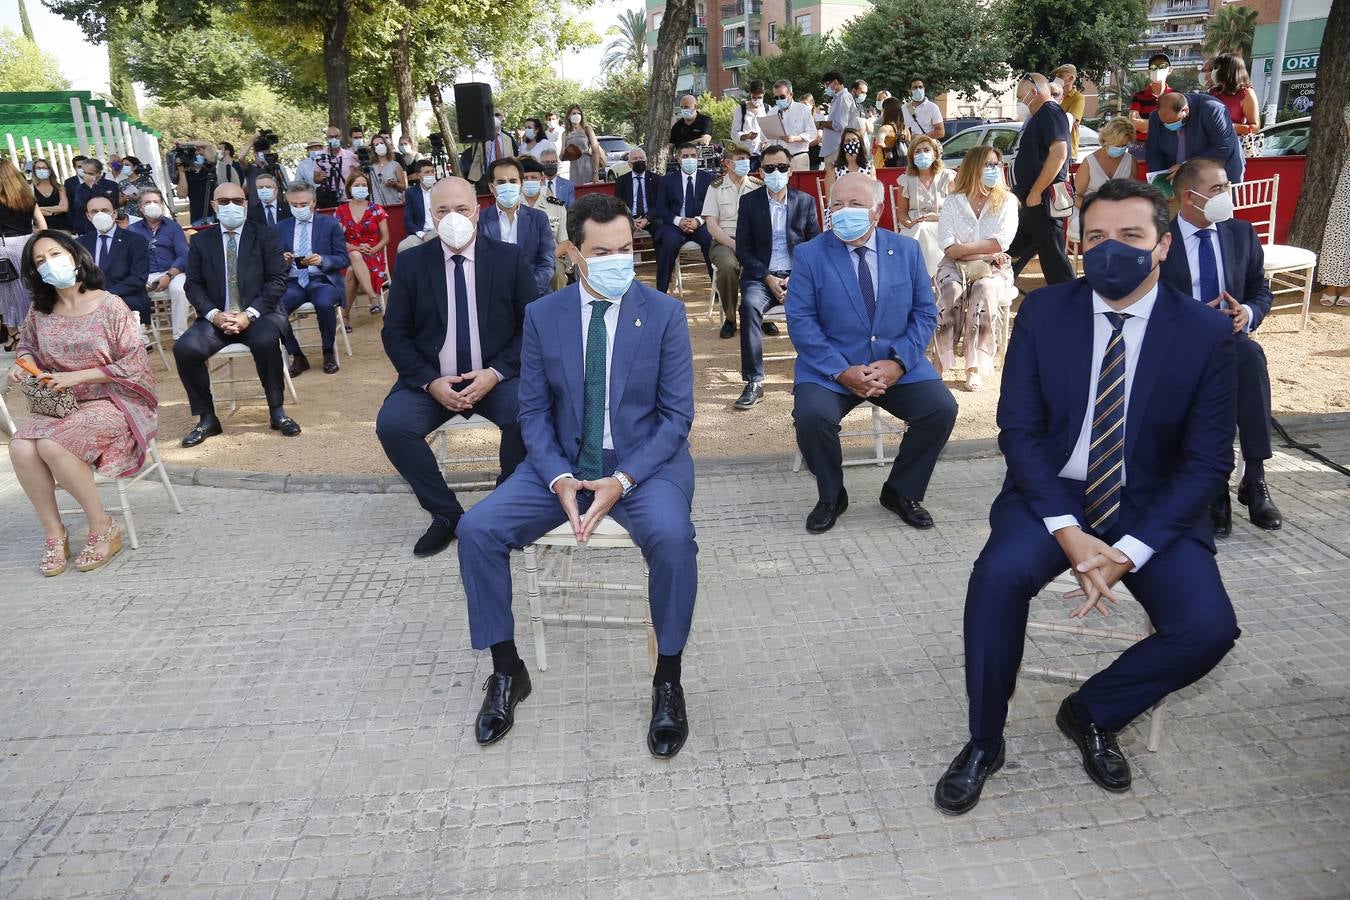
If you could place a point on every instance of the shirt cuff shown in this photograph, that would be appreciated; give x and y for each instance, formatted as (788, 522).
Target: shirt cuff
(1251, 317)
(1055, 523)
(500, 379)
(211, 314)
(253, 313)
(558, 478)
(1138, 552)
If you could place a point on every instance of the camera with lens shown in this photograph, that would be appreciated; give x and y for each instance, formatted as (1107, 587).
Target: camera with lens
(185, 156)
(437, 142)
(266, 140)
(364, 157)
(143, 170)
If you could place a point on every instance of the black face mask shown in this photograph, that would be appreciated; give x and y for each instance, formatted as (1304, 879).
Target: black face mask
(639, 167)
(551, 170)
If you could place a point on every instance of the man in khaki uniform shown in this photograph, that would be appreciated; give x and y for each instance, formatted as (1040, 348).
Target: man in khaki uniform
(720, 209)
(532, 189)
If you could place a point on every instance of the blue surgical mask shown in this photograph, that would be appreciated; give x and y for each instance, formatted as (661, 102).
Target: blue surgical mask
(829, 93)
(775, 181)
(1116, 152)
(916, 95)
(923, 160)
(610, 275)
(335, 142)
(508, 195)
(266, 194)
(1115, 269)
(990, 176)
(687, 114)
(529, 133)
(360, 192)
(199, 160)
(741, 167)
(302, 213)
(42, 174)
(851, 223)
(231, 215)
(532, 188)
(1174, 126)
(688, 166)
(782, 102)
(59, 271)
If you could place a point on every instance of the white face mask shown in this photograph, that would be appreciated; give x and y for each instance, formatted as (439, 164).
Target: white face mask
(103, 222)
(1023, 112)
(1218, 208)
(1158, 76)
(381, 150)
(575, 118)
(455, 231)
(152, 210)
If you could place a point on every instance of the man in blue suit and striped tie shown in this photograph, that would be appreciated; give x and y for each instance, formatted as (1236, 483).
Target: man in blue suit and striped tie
(1116, 418)
(315, 251)
(861, 314)
(606, 401)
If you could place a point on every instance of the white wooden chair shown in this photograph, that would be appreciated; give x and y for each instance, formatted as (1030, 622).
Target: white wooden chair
(681, 258)
(878, 432)
(224, 361)
(608, 535)
(441, 436)
(6, 420)
(160, 323)
(153, 465)
(1066, 582)
(305, 321)
(715, 298)
(1289, 268)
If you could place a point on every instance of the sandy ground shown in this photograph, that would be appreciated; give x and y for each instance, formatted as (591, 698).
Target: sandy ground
(1310, 373)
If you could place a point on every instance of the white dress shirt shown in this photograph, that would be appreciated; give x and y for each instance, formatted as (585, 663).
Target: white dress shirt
(798, 121)
(506, 224)
(450, 364)
(746, 123)
(1190, 236)
(871, 245)
(225, 267)
(958, 224)
(1076, 468)
(426, 211)
(842, 109)
(780, 257)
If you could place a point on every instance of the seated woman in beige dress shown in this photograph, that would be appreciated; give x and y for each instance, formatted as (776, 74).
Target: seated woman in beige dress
(85, 340)
(923, 189)
(975, 228)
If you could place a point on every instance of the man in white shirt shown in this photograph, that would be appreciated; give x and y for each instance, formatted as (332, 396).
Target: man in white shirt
(1116, 421)
(745, 128)
(843, 114)
(921, 115)
(797, 122)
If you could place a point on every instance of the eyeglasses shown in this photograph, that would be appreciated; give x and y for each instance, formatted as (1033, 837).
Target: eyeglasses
(777, 167)
(232, 201)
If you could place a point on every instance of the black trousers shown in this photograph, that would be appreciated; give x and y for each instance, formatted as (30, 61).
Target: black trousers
(1253, 399)
(928, 407)
(1040, 235)
(668, 240)
(204, 340)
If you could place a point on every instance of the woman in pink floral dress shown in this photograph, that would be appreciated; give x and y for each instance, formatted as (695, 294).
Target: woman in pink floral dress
(366, 226)
(85, 340)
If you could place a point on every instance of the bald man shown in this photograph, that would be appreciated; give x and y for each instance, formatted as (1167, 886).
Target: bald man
(452, 329)
(235, 278)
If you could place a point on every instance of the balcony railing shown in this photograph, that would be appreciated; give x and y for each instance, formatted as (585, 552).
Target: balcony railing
(740, 8)
(740, 55)
(1173, 10)
(1189, 59)
(691, 61)
(1181, 36)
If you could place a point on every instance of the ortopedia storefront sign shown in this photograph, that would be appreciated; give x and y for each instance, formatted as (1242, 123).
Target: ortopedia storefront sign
(1305, 63)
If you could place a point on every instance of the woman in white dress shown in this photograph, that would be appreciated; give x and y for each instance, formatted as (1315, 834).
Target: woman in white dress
(1110, 160)
(923, 190)
(975, 228)
(1333, 264)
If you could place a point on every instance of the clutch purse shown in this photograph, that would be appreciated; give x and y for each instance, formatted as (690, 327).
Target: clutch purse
(571, 152)
(44, 399)
(1061, 200)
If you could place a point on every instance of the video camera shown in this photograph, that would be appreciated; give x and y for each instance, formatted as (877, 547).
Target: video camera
(184, 155)
(365, 158)
(439, 160)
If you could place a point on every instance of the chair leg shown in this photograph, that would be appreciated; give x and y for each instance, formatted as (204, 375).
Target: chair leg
(125, 503)
(651, 627)
(878, 439)
(1155, 725)
(797, 461)
(164, 480)
(342, 331)
(531, 553)
(286, 373)
(1307, 296)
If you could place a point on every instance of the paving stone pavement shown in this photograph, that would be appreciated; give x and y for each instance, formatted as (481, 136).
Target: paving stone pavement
(272, 698)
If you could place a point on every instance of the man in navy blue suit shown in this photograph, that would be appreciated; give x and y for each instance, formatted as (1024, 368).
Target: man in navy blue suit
(452, 331)
(1189, 126)
(770, 224)
(417, 205)
(606, 401)
(554, 184)
(315, 251)
(861, 314)
(122, 255)
(515, 223)
(271, 208)
(1218, 260)
(679, 216)
(1116, 420)
(638, 189)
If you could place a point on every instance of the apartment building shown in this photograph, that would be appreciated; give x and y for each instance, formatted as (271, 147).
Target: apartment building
(1177, 28)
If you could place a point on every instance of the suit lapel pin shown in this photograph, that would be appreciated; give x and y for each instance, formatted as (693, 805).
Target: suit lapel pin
(890, 252)
(637, 323)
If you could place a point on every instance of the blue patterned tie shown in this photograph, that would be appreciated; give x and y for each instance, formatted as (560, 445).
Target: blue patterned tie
(301, 251)
(463, 343)
(1209, 266)
(1106, 455)
(869, 293)
(591, 462)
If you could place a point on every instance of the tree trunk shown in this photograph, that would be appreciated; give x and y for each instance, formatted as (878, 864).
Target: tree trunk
(443, 122)
(403, 85)
(23, 21)
(119, 82)
(1327, 143)
(382, 111)
(665, 72)
(336, 66)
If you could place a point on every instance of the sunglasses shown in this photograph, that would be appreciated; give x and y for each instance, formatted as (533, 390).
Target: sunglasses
(1158, 67)
(777, 167)
(232, 201)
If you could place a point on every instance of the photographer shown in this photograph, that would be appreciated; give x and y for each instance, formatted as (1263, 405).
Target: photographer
(195, 165)
(265, 162)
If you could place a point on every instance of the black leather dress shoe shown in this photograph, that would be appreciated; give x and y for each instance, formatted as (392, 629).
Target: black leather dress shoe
(299, 365)
(670, 726)
(435, 539)
(959, 789)
(498, 712)
(911, 511)
(1102, 759)
(753, 393)
(728, 330)
(769, 328)
(286, 425)
(1255, 495)
(330, 363)
(209, 426)
(824, 515)
(1221, 514)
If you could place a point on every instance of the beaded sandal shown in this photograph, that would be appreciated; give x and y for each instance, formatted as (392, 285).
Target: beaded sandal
(89, 558)
(52, 563)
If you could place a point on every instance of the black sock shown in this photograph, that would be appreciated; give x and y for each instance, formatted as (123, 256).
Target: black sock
(1256, 470)
(505, 659)
(667, 669)
(988, 745)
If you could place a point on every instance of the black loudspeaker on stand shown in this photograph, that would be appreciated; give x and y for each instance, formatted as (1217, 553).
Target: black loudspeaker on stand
(473, 112)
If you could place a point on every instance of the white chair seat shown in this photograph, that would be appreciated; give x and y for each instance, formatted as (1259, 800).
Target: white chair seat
(1287, 256)
(307, 309)
(225, 357)
(608, 529)
(441, 437)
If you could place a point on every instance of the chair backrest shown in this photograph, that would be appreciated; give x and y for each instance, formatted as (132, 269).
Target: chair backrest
(894, 193)
(1261, 197)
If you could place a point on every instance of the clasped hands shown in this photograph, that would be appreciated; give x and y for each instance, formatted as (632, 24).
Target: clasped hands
(1226, 304)
(688, 226)
(873, 379)
(1096, 565)
(232, 323)
(607, 492)
(476, 385)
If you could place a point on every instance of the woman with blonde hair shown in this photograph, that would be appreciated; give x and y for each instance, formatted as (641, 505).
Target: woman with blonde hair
(888, 148)
(581, 148)
(975, 228)
(1111, 160)
(20, 216)
(923, 190)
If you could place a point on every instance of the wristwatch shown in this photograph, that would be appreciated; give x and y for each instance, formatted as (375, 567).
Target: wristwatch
(625, 482)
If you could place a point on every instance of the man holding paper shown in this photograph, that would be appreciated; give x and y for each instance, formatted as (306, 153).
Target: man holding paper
(789, 124)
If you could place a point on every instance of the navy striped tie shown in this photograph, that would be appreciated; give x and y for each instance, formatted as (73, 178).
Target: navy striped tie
(1106, 455)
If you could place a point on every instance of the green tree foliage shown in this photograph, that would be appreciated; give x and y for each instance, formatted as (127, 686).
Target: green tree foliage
(1095, 37)
(629, 47)
(25, 67)
(238, 120)
(720, 110)
(213, 61)
(1232, 30)
(529, 90)
(802, 59)
(618, 105)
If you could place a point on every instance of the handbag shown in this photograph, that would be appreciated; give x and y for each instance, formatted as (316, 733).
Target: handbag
(45, 400)
(1061, 200)
(972, 270)
(8, 272)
